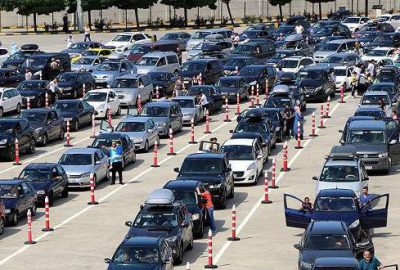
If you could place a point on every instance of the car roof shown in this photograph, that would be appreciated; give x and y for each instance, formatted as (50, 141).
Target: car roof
(141, 241)
(231, 78)
(40, 165)
(182, 184)
(159, 54)
(111, 135)
(69, 101)
(40, 110)
(205, 155)
(326, 227)
(87, 150)
(12, 120)
(336, 192)
(245, 142)
(295, 57)
(101, 90)
(341, 162)
(2, 89)
(336, 262)
(368, 125)
(161, 103)
(135, 119)
(369, 109)
(342, 54)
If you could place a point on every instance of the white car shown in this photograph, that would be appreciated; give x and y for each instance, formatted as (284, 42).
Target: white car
(122, 41)
(355, 23)
(343, 77)
(246, 159)
(10, 100)
(380, 53)
(393, 19)
(295, 63)
(103, 100)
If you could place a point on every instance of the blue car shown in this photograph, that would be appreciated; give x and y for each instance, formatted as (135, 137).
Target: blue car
(341, 205)
(18, 196)
(329, 263)
(142, 253)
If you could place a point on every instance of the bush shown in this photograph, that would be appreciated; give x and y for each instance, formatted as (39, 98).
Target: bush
(224, 21)
(250, 19)
(177, 21)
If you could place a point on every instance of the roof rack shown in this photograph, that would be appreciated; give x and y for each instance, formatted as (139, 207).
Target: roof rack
(343, 152)
(160, 197)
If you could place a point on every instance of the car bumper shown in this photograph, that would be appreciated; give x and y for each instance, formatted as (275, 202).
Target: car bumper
(126, 100)
(376, 164)
(139, 145)
(79, 181)
(231, 98)
(186, 119)
(244, 177)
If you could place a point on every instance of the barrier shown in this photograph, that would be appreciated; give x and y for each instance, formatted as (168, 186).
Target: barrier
(68, 136)
(285, 167)
(342, 94)
(273, 175)
(237, 104)
(92, 198)
(321, 116)
(328, 105)
(233, 236)
(252, 98)
(207, 122)
(171, 143)
(298, 136)
(93, 126)
(30, 239)
(210, 264)
(139, 104)
(47, 227)
(16, 152)
(227, 111)
(155, 156)
(313, 133)
(192, 141)
(266, 195)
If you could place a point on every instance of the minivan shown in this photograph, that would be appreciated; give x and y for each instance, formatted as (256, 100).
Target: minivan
(158, 61)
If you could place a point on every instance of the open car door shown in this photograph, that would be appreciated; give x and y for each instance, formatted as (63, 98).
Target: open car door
(206, 146)
(374, 214)
(105, 127)
(295, 217)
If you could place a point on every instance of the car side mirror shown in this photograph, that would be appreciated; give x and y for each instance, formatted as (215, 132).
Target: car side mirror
(259, 156)
(231, 131)
(5, 98)
(111, 99)
(176, 170)
(315, 178)
(98, 162)
(128, 223)
(108, 86)
(341, 141)
(340, 131)
(297, 246)
(174, 115)
(366, 178)
(107, 260)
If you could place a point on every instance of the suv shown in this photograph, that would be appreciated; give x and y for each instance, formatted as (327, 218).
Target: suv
(210, 69)
(317, 81)
(328, 239)
(214, 171)
(10, 101)
(260, 50)
(330, 263)
(158, 61)
(355, 23)
(342, 169)
(263, 75)
(162, 216)
(122, 41)
(41, 63)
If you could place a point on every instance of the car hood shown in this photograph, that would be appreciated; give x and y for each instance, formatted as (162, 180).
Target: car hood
(30, 92)
(125, 91)
(309, 256)
(97, 104)
(118, 44)
(370, 148)
(206, 179)
(10, 63)
(77, 169)
(104, 73)
(142, 266)
(240, 165)
(41, 185)
(133, 135)
(73, 51)
(35, 125)
(144, 69)
(346, 216)
(251, 78)
(311, 83)
(66, 84)
(67, 115)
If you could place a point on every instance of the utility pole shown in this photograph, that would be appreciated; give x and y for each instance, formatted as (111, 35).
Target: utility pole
(79, 15)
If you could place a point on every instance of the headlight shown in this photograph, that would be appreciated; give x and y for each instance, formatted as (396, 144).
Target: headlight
(354, 224)
(8, 211)
(40, 192)
(172, 239)
(85, 174)
(215, 186)
(3, 141)
(67, 88)
(252, 166)
(195, 216)
(383, 155)
(305, 265)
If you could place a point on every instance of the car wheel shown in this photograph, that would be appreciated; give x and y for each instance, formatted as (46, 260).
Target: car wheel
(2, 224)
(180, 127)
(11, 154)
(232, 192)
(62, 134)
(34, 210)
(200, 231)
(51, 198)
(222, 204)
(14, 219)
(45, 140)
(76, 125)
(146, 147)
(32, 148)
(256, 179)
(344, 87)
(1, 112)
(191, 244)
(387, 171)
(118, 113)
(65, 192)
(179, 258)
(18, 108)
(332, 95)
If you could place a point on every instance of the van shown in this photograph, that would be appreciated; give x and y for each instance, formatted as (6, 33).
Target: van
(158, 61)
(200, 36)
(334, 46)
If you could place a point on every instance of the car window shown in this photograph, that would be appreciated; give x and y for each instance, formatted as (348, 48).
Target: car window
(172, 59)
(86, 105)
(161, 62)
(97, 157)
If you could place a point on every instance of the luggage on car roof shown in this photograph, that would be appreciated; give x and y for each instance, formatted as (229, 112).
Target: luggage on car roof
(160, 197)
(29, 47)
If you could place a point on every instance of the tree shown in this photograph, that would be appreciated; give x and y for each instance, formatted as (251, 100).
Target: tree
(135, 5)
(227, 2)
(279, 3)
(189, 4)
(320, 5)
(88, 6)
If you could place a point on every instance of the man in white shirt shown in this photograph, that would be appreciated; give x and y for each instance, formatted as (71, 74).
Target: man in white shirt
(28, 74)
(299, 28)
(53, 85)
(203, 100)
(371, 68)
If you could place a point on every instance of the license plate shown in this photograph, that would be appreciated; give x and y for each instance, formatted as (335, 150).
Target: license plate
(186, 82)
(307, 95)
(368, 167)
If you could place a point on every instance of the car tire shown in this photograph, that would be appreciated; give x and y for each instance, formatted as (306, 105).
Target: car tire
(11, 154)
(2, 225)
(179, 258)
(76, 125)
(45, 140)
(387, 171)
(13, 221)
(332, 95)
(62, 134)
(65, 192)
(232, 192)
(222, 204)
(51, 198)
(18, 108)
(118, 113)
(32, 148)
(123, 163)
(191, 244)
(198, 234)
(146, 147)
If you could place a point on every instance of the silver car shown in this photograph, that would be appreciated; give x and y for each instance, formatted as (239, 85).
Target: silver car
(88, 63)
(190, 109)
(79, 163)
(158, 61)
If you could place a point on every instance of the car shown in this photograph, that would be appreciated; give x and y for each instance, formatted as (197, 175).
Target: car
(334, 46)
(383, 40)
(86, 63)
(158, 61)
(389, 88)
(12, 129)
(18, 197)
(287, 86)
(136, 51)
(234, 64)
(326, 263)
(393, 19)
(296, 43)
(342, 169)
(39, 65)
(324, 239)
(355, 23)
(254, 33)
(375, 26)
(214, 96)
(294, 63)
(47, 123)
(2, 216)
(345, 59)
(205, 34)
(279, 101)
(190, 109)
(246, 159)
(35, 91)
(180, 37)
(375, 112)
(373, 99)
(185, 192)
(75, 84)
(49, 180)
(210, 69)
(352, 119)
(106, 72)
(103, 142)
(15, 60)
(104, 102)
(141, 130)
(128, 87)
(166, 114)
(79, 113)
(335, 29)
(209, 47)
(231, 86)
(376, 142)
(162, 81)
(122, 41)
(101, 53)
(380, 53)
(263, 75)
(339, 205)
(317, 82)
(388, 74)
(343, 77)
(214, 171)
(260, 50)
(81, 163)
(322, 43)
(79, 47)
(162, 216)
(10, 77)
(283, 53)
(138, 252)
(10, 101)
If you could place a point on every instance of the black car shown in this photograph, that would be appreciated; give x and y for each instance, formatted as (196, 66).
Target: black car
(390, 88)
(40, 63)
(263, 75)
(164, 81)
(290, 80)
(185, 192)
(10, 77)
(260, 50)
(18, 197)
(383, 40)
(214, 171)
(71, 84)
(234, 64)
(330, 30)
(317, 82)
(17, 59)
(210, 69)
(12, 129)
(254, 33)
(48, 179)
(280, 101)
(230, 86)
(322, 43)
(104, 141)
(214, 96)
(35, 91)
(47, 123)
(161, 216)
(79, 113)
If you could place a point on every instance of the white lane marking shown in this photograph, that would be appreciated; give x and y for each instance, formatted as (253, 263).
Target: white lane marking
(66, 221)
(258, 203)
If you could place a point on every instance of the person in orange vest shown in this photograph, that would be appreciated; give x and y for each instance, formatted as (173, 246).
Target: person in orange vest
(206, 196)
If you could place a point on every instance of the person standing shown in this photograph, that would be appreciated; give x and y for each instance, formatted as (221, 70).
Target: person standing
(365, 197)
(203, 100)
(299, 29)
(116, 155)
(298, 120)
(353, 83)
(53, 85)
(178, 86)
(69, 41)
(206, 196)
(65, 23)
(288, 117)
(371, 68)
(87, 33)
(28, 74)
(369, 262)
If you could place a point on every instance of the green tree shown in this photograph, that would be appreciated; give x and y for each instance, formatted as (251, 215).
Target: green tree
(227, 3)
(88, 6)
(135, 5)
(279, 3)
(320, 5)
(189, 4)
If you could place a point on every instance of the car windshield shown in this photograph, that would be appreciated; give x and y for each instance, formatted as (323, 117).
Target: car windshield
(35, 63)
(185, 103)
(8, 191)
(333, 59)
(95, 96)
(199, 35)
(155, 111)
(187, 197)
(377, 53)
(131, 127)
(201, 166)
(351, 20)
(327, 242)
(238, 152)
(384, 88)
(32, 116)
(374, 113)
(339, 174)
(110, 66)
(31, 85)
(374, 100)
(340, 72)
(366, 137)
(66, 107)
(193, 66)
(76, 159)
(122, 38)
(288, 63)
(277, 102)
(147, 61)
(229, 83)
(124, 83)
(79, 46)
(243, 48)
(330, 47)
(159, 76)
(250, 71)
(310, 75)
(35, 175)
(136, 255)
(156, 220)
(85, 61)
(335, 204)
(104, 142)
(194, 91)
(67, 77)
